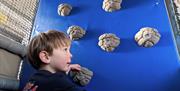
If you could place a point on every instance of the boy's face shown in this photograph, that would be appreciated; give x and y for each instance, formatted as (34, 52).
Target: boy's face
(61, 59)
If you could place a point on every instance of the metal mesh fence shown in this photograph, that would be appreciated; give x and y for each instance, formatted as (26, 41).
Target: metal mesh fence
(16, 19)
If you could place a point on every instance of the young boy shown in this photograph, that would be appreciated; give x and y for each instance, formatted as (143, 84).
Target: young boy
(49, 53)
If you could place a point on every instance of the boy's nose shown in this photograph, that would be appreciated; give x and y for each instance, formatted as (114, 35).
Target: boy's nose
(71, 55)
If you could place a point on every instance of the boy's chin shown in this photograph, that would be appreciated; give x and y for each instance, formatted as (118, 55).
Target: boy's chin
(65, 69)
(62, 70)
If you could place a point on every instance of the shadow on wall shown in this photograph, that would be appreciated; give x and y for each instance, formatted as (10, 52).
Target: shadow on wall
(134, 3)
(174, 82)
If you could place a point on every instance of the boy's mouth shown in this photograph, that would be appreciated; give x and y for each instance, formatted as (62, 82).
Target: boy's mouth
(68, 63)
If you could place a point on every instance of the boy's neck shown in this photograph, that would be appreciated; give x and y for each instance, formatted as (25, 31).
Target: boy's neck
(48, 68)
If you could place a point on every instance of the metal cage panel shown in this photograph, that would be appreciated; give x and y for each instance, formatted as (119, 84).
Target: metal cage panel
(16, 19)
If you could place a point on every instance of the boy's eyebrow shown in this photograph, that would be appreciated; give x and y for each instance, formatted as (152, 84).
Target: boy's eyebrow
(66, 47)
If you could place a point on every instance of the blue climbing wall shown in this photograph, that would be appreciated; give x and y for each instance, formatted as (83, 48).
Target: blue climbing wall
(129, 67)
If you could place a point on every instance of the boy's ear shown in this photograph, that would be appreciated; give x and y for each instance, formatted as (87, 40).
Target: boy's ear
(44, 57)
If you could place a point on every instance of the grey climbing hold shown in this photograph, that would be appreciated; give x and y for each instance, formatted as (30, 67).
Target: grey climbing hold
(64, 9)
(111, 5)
(147, 37)
(81, 77)
(108, 41)
(75, 32)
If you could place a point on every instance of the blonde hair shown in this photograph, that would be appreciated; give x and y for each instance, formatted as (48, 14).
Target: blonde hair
(46, 41)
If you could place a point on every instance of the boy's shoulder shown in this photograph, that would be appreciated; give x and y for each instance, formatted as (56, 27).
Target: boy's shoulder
(46, 81)
(43, 77)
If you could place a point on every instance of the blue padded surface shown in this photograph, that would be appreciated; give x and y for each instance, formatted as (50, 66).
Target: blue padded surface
(129, 67)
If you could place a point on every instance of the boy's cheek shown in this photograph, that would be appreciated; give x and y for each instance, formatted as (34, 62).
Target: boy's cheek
(63, 67)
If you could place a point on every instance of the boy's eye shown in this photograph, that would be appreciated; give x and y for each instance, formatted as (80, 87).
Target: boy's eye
(65, 49)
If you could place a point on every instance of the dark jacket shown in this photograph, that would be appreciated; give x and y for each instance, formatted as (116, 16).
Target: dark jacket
(46, 81)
